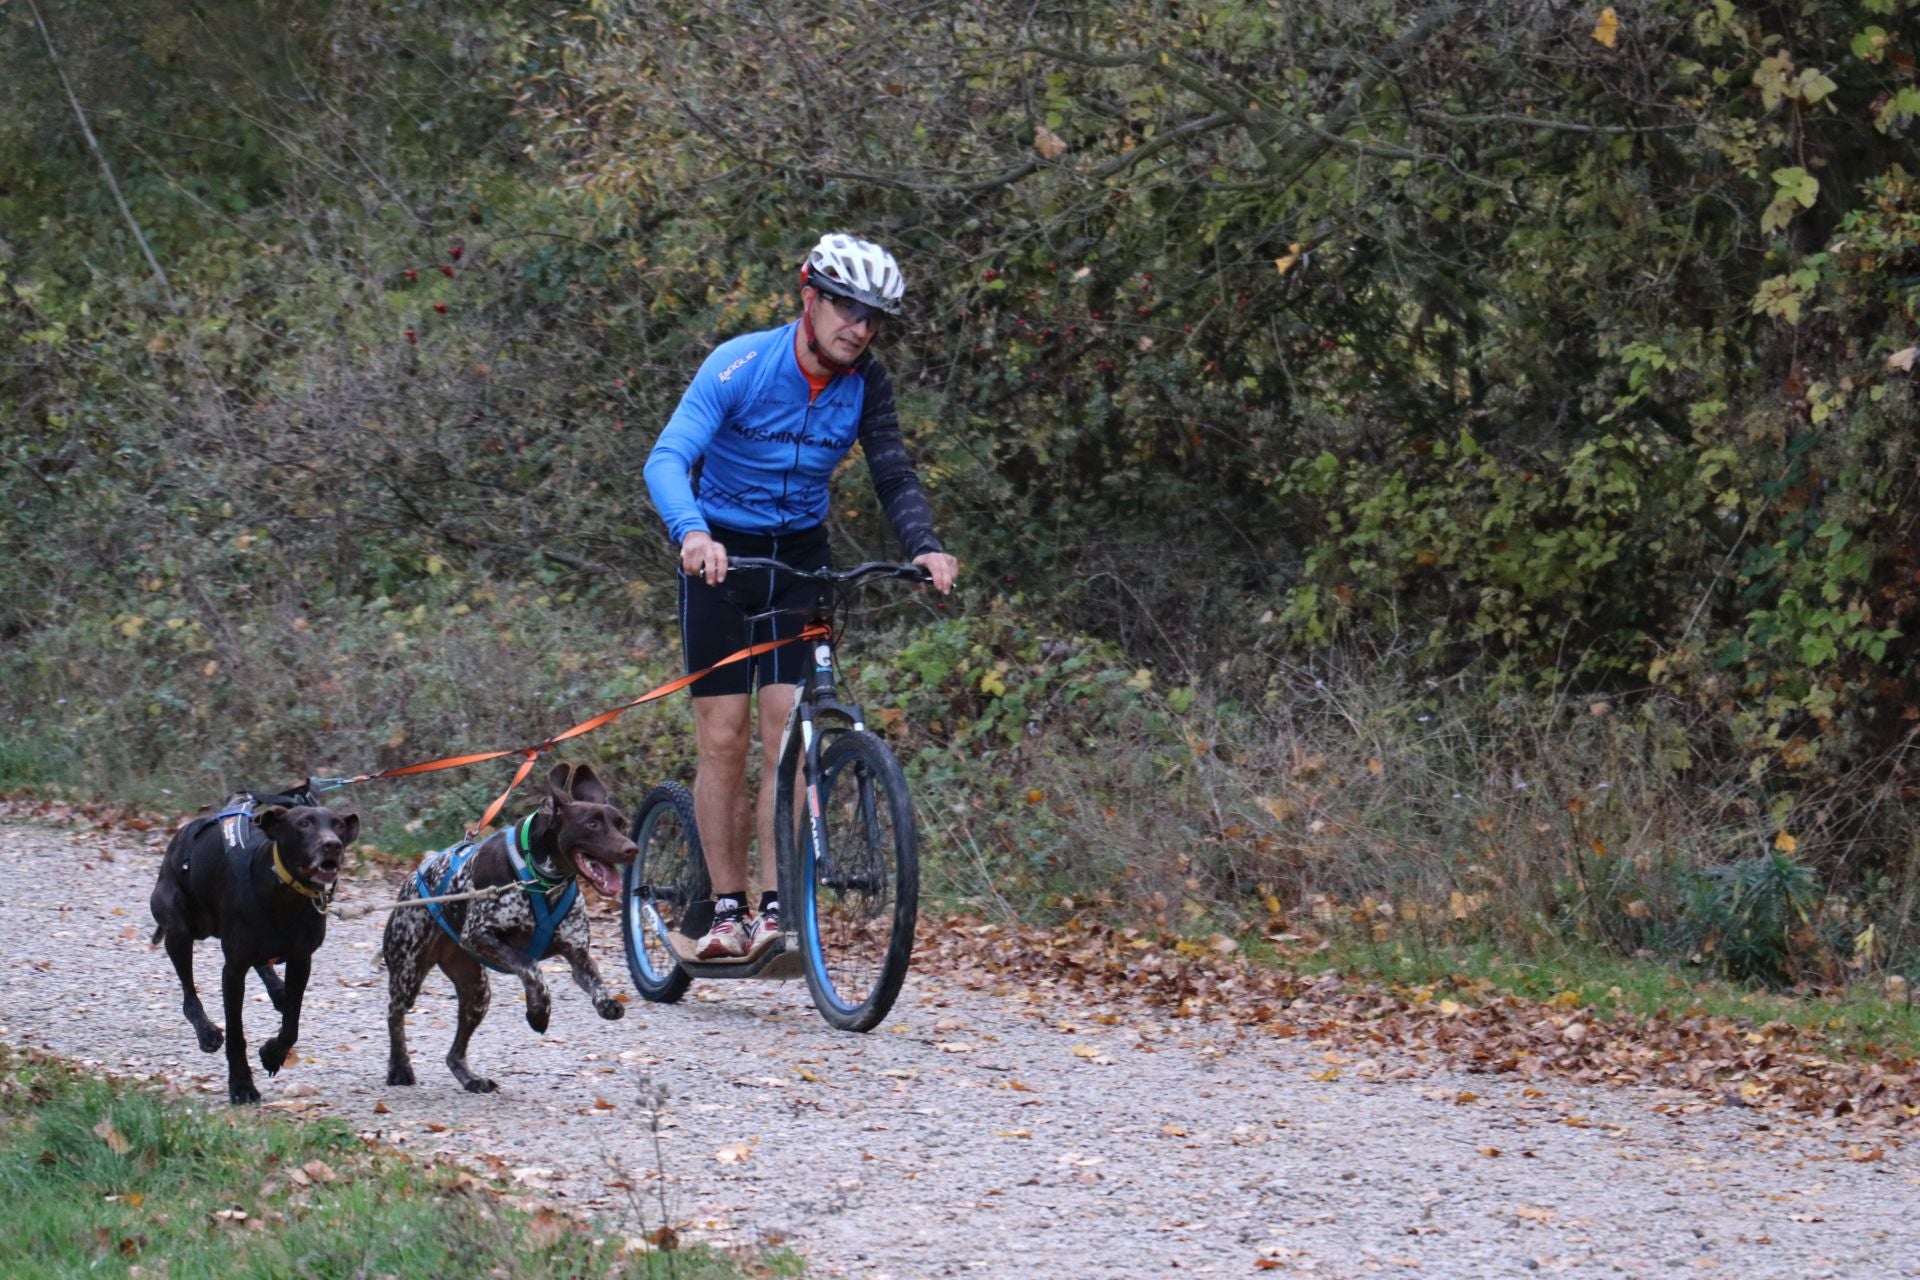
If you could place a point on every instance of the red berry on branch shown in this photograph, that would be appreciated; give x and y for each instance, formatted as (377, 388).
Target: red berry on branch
(446, 271)
(412, 276)
(456, 251)
(441, 307)
(990, 274)
(412, 337)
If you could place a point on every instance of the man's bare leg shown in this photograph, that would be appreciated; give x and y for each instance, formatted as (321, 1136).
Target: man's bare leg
(775, 701)
(720, 787)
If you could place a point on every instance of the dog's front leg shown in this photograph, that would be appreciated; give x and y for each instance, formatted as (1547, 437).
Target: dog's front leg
(570, 940)
(489, 946)
(273, 1054)
(233, 995)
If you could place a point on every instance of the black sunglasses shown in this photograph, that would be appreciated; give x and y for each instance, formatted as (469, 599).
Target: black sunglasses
(853, 311)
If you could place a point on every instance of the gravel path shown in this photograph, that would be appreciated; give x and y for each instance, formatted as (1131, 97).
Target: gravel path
(983, 1130)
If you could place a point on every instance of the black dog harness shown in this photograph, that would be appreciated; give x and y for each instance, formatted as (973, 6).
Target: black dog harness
(547, 913)
(241, 838)
(237, 829)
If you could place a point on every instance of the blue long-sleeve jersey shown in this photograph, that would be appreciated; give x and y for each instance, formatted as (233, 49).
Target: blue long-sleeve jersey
(747, 449)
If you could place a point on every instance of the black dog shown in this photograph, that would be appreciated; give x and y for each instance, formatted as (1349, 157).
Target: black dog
(576, 833)
(257, 873)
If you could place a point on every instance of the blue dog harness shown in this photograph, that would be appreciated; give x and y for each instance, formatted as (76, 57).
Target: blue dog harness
(547, 914)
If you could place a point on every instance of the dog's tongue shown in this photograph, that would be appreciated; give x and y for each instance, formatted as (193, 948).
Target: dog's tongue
(601, 876)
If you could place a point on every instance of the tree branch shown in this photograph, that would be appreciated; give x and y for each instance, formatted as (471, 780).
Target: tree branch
(93, 144)
(1200, 124)
(1012, 173)
(1547, 122)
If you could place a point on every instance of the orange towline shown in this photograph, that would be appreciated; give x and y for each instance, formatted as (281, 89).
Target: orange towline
(533, 753)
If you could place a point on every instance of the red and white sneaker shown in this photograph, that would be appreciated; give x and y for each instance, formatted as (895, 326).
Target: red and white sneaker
(727, 939)
(765, 931)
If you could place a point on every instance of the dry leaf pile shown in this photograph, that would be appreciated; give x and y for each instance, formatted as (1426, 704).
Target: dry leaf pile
(1708, 1061)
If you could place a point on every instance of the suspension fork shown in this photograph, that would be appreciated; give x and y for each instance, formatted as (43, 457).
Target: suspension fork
(799, 780)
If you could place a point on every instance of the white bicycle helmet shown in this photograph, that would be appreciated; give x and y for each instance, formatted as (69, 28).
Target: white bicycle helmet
(858, 269)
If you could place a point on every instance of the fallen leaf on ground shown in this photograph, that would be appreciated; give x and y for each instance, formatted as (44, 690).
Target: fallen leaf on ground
(115, 1141)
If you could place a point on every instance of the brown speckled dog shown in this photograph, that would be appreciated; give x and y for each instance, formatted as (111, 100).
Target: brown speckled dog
(575, 833)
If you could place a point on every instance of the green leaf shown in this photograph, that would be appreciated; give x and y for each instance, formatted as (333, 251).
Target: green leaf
(1798, 184)
(1771, 79)
(1812, 86)
(1870, 45)
(1897, 110)
(1780, 297)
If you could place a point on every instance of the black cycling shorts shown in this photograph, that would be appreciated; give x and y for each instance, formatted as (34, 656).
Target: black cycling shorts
(718, 620)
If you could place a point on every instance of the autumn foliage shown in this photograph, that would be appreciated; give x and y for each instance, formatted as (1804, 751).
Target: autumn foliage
(1516, 397)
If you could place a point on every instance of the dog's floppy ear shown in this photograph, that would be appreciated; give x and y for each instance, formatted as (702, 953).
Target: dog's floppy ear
(269, 818)
(587, 787)
(347, 828)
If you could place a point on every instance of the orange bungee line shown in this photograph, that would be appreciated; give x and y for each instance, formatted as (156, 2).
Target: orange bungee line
(533, 753)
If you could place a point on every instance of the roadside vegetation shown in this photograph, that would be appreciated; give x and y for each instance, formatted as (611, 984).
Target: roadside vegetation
(1436, 481)
(113, 1178)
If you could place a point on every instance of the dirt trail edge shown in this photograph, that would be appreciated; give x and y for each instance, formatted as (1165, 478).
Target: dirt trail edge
(983, 1130)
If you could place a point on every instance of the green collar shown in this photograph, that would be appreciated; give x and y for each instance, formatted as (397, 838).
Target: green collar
(524, 864)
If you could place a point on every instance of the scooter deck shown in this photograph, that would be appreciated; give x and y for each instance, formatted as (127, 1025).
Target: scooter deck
(777, 962)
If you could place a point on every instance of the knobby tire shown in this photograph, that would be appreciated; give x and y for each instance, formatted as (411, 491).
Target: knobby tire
(857, 912)
(667, 875)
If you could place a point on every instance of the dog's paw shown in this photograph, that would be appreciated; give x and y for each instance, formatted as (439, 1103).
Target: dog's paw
(272, 1056)
(242, 1092)
(211, 1038)
(610, 1009)
(539, 1012)
(400, 1073)
(480, 1084)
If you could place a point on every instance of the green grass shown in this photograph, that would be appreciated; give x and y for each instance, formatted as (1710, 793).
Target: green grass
(1852, 1020)
(97, 1177)
(25, 763)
